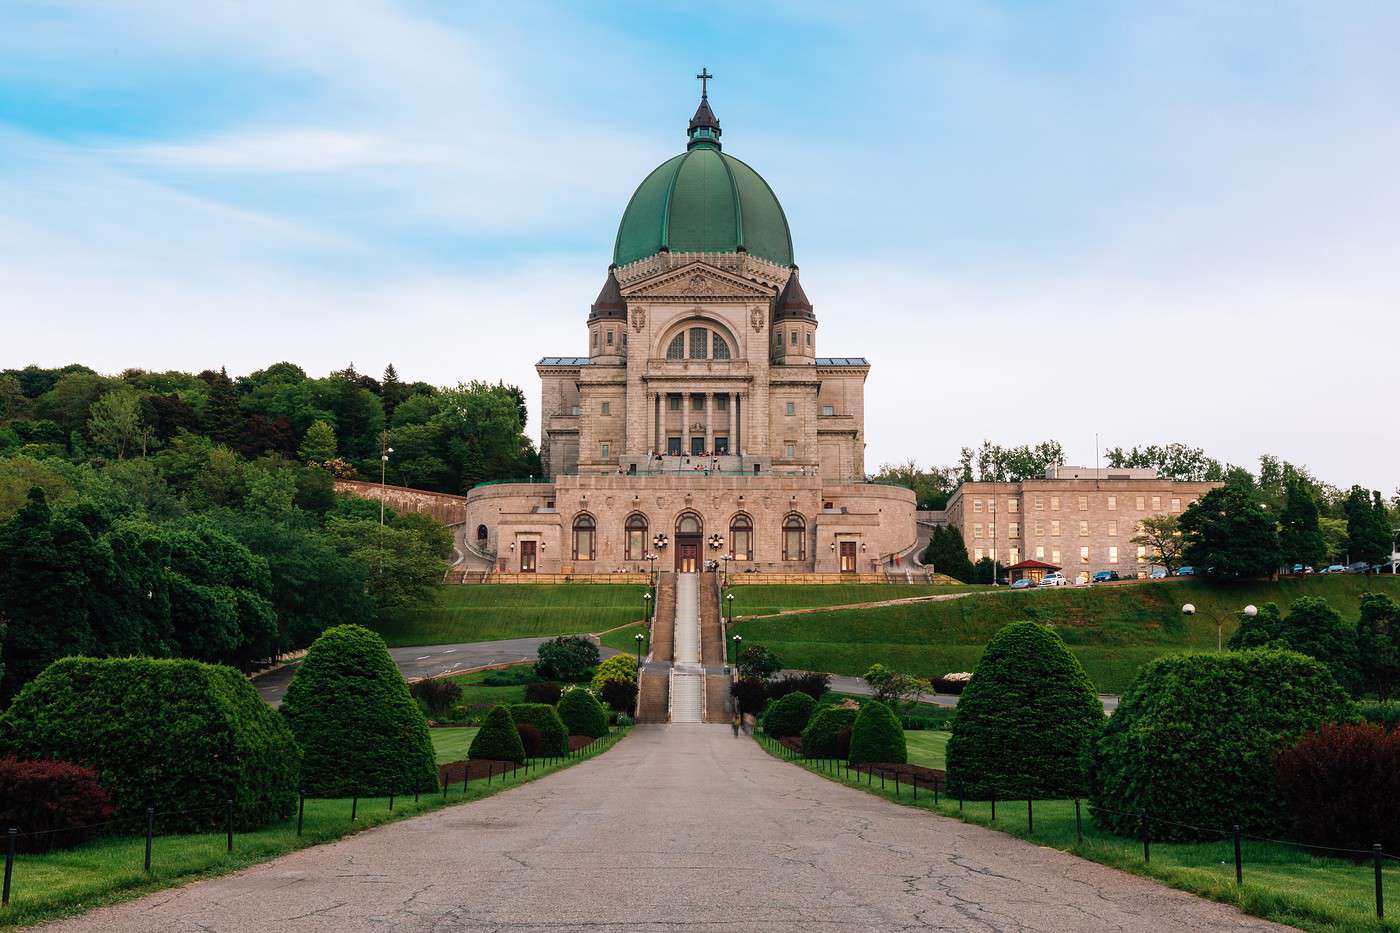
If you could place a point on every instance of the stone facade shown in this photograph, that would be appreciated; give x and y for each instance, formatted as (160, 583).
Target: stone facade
(1082, 519)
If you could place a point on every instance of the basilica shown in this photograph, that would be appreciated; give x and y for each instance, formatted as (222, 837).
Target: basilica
(701, 425)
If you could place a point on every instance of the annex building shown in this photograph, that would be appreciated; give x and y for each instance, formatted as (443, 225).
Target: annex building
(700, 423)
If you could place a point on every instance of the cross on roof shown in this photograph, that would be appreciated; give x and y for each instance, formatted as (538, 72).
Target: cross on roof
(704, 78)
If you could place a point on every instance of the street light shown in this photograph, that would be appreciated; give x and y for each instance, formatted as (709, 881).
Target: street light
(738, 643)
(384, 453)
(639, 650)
(646, 606)
(1249, 611)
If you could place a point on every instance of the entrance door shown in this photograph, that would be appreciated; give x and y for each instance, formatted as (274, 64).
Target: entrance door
(687, 553)
(848, 557)
(527, 556)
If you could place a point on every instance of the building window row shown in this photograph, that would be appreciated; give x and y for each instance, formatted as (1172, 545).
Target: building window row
(635, 528)
(703, 343)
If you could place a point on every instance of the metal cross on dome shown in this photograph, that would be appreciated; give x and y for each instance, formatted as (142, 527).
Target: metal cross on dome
(704, 78)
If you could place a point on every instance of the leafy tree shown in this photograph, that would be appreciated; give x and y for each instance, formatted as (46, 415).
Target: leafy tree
(401, 567)
(931, 487)
(169, 415)
(891, 687)
(567, 658)
(1026, 721)
(69, 402)
(1180, 462)
(222, 418)
(618, 668)
(13, 403)
(1369, 537)
(987, 570)
(947, 553)
(318, 444)
(1378, 644)
(757, 662)
(998, 464)
(1300, 535)
(554, 737)
(262, 435)
(822, 736)
(1161, 535)
(351, 712)
(1228, 535)
(1311, 627)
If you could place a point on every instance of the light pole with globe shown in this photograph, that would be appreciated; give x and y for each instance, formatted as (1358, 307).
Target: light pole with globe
(738, 643)
(1249, 612)
(640, 636)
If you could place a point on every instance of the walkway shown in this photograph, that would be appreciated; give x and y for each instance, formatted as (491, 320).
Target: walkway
(677, 828)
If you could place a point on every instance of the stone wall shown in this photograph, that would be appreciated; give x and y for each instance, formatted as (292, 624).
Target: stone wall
(446, 508)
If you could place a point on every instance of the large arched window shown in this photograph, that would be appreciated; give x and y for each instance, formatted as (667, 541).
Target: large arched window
(688, 524)
(794, 538)
(584, 534)
(636, 533)
(699, 343)
(719, 347)
(676, 351)
(741, 537)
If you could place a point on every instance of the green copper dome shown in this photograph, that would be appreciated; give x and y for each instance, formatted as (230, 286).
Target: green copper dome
(703, 201)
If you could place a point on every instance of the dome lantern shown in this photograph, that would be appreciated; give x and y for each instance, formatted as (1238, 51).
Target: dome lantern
(704, 126)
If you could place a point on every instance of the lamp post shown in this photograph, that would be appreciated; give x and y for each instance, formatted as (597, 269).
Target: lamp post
(384, 451)
(1249, 612)
(639, 651)
(738, 643)
(646, 607)
(729, 601)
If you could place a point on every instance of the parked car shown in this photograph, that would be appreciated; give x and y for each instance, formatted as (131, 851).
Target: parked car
(1158, 573)
(1187, 571)
(1024, 583)
(1358, 566)
(1105, 576)
(1054, 579)
(1335, 568)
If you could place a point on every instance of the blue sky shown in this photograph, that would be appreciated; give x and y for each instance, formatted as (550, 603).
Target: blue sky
(1151, 221)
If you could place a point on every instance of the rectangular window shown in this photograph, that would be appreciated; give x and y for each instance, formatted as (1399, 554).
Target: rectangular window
(673, 446)
(607, 408)
(791, 450)
(605, 451)
(794, 338)
(1054, 555)
(992, 531)
(722, 402)
(1015, 529)
(1040, 529)
(699, 343)
(828, 410)
(777, 338)
(1055, 528)
(1084, 555)
(1054, 503)
(1040, 503)
(1142, 552)
(673, 402)
(1141, 503)
(1015, 556)
(1040, 552)
(1176, 505)
(697, 401)
(1083, 503)
(1113, 554)
(1113, 503)
(1083, 529)
(809, 339)
(610, 338)
(992, 505)
(791, 409)
(977, 529)
(977, 554)
(1113, 529)
(721, 445)
(1013, 505)
(976, 505)
(595, 338)
(1156, 503)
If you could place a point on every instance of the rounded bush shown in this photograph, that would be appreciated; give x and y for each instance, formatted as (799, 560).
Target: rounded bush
(583, 714)
(876, 737)
(570, 658)
(1195, 736)
(819, 739)
(1342, 786)
(1027, 720)
(60, 800)
(620, 695)
(789, 715)
(498, 739)
(180, 734)
(553, 737)
(620, 668)
(351, 712)
(544, 691)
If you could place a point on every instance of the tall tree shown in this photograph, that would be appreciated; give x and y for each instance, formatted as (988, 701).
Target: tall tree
(1228, 534)
(998, 464)
(1378, 644)
(1368, 531)
(1161, 535)
(1174, 461)
(1300, 532)
(947, 553)
(318, 444)
(115, 424)
(1311, 627)
(391, 392)
(222, 418)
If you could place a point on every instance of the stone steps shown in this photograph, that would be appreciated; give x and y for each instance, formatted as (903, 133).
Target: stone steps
(687, 696)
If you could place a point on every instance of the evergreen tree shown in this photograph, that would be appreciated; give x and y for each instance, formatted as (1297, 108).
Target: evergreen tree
(948, 554)
(1228, 534)
(222, 418)
(391, 391)
(1378, 644)
(1300, 533)
(1311, 627)
(1368, 527)
(318, 444)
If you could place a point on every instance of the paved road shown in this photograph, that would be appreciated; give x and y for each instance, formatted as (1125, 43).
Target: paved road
(676, 828)
(428, 661)
(857, 687)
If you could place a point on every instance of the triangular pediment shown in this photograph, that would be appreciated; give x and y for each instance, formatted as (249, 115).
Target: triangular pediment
(697, 281)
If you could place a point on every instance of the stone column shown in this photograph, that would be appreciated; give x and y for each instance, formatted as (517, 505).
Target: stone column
(710, 422)
(733, 420)
(685, 424)
(657, 434)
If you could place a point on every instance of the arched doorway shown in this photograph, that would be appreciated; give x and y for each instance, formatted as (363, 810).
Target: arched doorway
(689, 529)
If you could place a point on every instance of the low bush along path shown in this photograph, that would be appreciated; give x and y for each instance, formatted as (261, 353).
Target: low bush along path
(677, 827)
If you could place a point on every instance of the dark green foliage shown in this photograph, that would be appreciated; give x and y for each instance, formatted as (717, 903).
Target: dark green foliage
(498, 739)
(1378, 644)
(819, 738)
(987, 570)
(554, 737)
(876, 736)
(438, 696)
(352, 714)
(620, 695)
(757, 662)
(1195, 736)
(180, 735)
(569, 658)
(1311, 627)
(1300, 533)
(512, 676)
(1026, 721)
(1228, 534)
(583, 714)
(789, 715)
(812, 683)
(1369, 533)
(222, 418)
(1384, 713)
(947, 553)
(62, 802)
(544, 691)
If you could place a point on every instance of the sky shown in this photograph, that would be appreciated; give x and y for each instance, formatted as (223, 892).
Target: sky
(1143, 222)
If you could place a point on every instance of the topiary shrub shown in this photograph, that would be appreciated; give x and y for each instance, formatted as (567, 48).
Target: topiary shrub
(180, 735)
(529, 739)
(583, 714)
(351, 712)
(1027, 720)
(544, 691)
(876, 737)
(620, 668)
(1195, 735)
(815, 685)
(789, 715)
(570, 658)
(751, 695)
(497, 739)
(1341, 785)
(437, 696)
(1384, 713)
(62, 801)
(620, 695)
(554, 738)
(819, 739)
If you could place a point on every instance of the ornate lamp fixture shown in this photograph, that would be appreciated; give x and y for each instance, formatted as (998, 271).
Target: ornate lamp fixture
(660, 541)
(716, 541)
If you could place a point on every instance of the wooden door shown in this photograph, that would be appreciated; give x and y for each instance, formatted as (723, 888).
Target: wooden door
(687, 556)
(848, 557)
(527, 556)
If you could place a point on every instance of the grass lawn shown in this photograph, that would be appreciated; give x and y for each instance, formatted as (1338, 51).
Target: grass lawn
(928, 748)
(451, 743)
(1281, 883)
(764, 598)
(1113, 630)
(625, 639)
(485, 612)
(57, 884)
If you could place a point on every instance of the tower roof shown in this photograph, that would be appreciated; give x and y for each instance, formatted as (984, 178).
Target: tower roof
(792, 303)
(609, 304)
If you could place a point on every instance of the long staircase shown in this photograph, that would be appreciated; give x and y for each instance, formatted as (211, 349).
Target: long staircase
(684, 678)
(687, 674)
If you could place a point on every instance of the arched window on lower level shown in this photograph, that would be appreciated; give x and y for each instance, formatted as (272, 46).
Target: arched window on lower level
(636, 534)
(584, 529)
(481, 532)
(794, 538)
(741, 538)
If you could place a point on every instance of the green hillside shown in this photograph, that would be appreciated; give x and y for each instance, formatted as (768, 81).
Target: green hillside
(488, 612)
(1112, 629)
